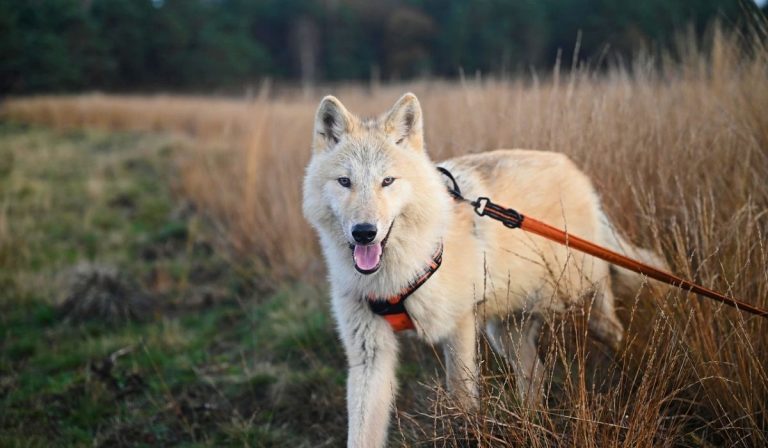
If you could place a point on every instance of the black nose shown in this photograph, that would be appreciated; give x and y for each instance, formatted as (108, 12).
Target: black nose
(364, 233)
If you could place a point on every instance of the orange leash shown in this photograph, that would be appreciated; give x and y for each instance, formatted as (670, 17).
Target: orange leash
(512, 219)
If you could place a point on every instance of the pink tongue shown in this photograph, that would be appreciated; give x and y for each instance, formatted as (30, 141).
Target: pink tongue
(367, 257)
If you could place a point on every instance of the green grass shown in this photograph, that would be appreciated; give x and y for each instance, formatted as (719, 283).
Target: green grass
(214, 365)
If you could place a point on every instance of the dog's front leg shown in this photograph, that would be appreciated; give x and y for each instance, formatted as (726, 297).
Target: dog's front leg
(460, 364)
(371, 349)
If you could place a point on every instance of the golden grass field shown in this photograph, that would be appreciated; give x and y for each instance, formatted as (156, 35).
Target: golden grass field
(678, 149)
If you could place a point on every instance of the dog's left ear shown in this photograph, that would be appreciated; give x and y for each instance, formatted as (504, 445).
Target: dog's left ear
(404, 123)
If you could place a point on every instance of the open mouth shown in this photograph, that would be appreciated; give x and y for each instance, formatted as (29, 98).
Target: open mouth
(367, 257)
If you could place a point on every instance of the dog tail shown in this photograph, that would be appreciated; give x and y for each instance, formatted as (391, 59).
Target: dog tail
(626, 282)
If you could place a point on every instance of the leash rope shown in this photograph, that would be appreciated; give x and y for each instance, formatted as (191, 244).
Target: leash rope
(513, 219)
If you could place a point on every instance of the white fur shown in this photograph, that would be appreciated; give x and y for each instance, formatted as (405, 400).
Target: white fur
(488, 272)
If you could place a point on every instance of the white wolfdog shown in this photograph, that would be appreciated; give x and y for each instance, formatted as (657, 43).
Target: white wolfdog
(382, 210)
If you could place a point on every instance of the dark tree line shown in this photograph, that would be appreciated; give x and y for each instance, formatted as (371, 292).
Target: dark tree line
(123, 45)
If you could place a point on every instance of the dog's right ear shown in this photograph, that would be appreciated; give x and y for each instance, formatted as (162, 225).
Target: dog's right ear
(332, 121)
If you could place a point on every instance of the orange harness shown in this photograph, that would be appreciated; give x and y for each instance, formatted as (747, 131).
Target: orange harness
(393, 308)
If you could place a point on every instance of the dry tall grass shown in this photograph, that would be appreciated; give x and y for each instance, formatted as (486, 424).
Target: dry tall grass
(678, 148)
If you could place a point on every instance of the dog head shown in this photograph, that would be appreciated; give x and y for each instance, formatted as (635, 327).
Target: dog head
(364, 178)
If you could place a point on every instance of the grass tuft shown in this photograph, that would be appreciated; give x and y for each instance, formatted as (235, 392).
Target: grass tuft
(101, 292)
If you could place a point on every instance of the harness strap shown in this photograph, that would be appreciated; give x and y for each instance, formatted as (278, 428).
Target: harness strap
(392, 308)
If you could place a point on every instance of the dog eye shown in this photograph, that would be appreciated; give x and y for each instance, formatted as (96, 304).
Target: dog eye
(387, 181)
(344, 182)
